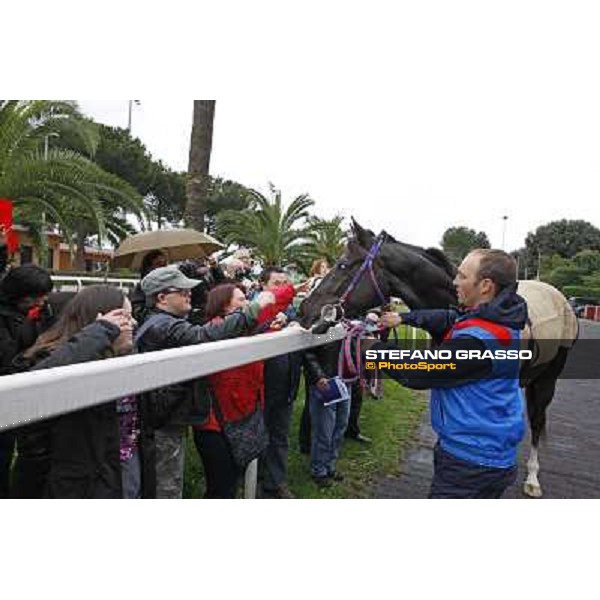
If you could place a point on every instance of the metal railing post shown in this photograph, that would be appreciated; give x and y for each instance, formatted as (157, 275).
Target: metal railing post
(251, 480)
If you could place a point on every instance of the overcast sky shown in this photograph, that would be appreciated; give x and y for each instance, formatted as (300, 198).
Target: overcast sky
(495, 123)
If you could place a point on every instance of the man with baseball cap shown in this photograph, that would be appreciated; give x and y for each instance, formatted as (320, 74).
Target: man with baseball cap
(173, 408)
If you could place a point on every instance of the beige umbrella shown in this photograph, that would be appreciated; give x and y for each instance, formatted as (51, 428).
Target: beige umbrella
(177, 244)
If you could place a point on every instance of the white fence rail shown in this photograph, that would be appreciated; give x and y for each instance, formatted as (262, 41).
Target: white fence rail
(73, 283)
(37, 395)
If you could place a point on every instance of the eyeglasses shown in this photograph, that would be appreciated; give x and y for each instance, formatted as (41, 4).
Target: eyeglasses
(177, 291)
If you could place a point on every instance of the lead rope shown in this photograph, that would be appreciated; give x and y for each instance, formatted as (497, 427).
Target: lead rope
(353, 366)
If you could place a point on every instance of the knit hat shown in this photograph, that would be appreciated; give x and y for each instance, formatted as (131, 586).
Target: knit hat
(26, 280)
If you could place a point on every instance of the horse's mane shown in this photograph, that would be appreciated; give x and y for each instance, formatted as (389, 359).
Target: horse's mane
(435, 255)
(440, 259)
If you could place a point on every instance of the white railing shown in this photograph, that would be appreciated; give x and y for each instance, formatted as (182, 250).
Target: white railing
(37, 395)
(73, 283)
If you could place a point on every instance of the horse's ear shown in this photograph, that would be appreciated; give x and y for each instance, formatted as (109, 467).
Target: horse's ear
(363, 236)
(388, 237)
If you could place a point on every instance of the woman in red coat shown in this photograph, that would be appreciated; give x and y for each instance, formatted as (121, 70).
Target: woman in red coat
(237, 391)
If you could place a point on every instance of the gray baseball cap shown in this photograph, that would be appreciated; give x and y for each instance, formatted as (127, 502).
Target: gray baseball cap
(166, 277)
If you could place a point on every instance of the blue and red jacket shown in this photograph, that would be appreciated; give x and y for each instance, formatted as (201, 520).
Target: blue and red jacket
(482, 421)
(478, 409)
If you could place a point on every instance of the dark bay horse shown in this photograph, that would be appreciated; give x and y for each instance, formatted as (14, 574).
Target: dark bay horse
(423, 278)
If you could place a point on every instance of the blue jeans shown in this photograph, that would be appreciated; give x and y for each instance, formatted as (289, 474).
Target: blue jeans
(328, 424)
(131, 477)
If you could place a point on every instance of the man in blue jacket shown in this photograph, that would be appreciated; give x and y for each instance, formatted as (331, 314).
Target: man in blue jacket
(477, 409)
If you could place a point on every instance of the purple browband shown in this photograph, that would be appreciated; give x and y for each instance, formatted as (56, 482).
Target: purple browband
(367, 264)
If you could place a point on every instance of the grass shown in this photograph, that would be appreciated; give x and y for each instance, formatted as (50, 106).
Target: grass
(390, 422)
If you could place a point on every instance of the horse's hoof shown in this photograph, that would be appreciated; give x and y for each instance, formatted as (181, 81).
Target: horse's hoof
(532, 490)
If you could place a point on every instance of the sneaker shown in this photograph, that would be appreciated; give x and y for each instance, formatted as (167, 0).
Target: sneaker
(283, 492)
(323, 482)
(360, 438)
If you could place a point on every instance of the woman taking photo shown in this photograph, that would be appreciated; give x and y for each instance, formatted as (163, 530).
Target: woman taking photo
(77, 455)
(237, 392)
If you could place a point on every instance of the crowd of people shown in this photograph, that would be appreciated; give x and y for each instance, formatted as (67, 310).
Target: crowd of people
(135, 447)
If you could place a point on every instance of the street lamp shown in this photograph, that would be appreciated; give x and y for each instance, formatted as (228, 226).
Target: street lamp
(137, 103)
(504, 219)
(48, 135)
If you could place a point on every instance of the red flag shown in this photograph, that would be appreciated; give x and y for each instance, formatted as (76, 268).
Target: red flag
(6, 223)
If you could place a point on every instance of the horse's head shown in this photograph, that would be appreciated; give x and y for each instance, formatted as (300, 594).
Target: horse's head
(338, 281)
(422, 278)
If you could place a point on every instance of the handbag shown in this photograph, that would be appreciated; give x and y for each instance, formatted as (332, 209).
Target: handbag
(247, 437)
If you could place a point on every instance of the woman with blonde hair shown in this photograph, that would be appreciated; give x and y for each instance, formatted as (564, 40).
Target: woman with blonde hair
(318, 271)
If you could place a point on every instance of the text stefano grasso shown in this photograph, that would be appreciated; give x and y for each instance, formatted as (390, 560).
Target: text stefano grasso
(448, 354)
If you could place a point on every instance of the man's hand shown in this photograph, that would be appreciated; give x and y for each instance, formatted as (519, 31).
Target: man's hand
(390, 319)
(279, 322)
(303, 287)
(322, 384)
(265, 299)
(3, 235)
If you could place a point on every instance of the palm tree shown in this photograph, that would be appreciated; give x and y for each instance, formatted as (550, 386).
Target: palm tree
(199, 162)
(277, 235)
(59, 185)
(329, 238)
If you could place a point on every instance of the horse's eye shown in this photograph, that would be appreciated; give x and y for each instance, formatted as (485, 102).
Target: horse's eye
(343, 266)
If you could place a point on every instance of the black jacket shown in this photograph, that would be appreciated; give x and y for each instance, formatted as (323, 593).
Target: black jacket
(138, 303)
(282, 378)
(321, 362)
(3, 259)
(75, 455)
(187, 402)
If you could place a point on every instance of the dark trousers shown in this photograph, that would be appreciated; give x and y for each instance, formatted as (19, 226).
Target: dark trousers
(353, 429)
(7, 446)
(456, 478)
(220, 472)
(278, 415)
(304, 432)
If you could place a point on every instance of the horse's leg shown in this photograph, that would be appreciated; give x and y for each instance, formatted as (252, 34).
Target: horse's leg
(539, 394)
(537, 417)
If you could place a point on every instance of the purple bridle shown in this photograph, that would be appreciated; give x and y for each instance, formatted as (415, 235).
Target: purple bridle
(367, 265)
(345, 360)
